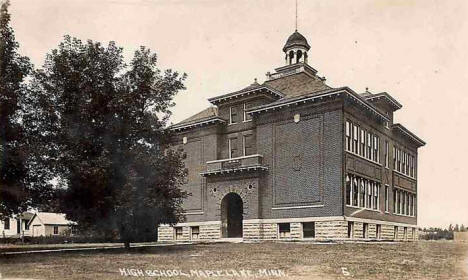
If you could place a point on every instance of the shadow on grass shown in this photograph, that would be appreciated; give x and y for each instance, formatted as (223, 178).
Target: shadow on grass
(40, 256)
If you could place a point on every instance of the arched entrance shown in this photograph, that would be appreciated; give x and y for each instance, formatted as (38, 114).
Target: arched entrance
(232, 209)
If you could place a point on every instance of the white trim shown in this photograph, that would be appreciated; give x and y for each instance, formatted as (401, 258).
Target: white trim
(297, 207)
(188, 224)
(194, 213)
(228, 159)
(294, 220)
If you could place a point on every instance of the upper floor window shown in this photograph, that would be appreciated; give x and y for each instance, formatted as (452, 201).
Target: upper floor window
(362, 142)
(362, 192)
(233, 115)
(404, 162)
(386, 153)
(232, 143)
(248, 145)
(247, 117)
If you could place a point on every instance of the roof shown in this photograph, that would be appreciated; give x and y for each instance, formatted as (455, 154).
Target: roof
(26, 216)
(253, 88)
(47, 218)
(207, 113)
(403, 130)
(383, 96)
(297, 84)
(296, 39)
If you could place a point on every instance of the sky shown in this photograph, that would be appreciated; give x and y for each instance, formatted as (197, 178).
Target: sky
(416, 50)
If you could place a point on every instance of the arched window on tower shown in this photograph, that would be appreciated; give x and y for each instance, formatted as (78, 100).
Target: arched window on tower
(299, 56)
(291, 57)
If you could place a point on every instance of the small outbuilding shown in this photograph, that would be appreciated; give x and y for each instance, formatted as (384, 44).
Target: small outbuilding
(49, 224)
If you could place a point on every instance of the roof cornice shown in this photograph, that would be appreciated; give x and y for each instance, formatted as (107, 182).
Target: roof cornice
(233, 95)
(387, 97)
(199, 123)
(408, 134)
(345, 91)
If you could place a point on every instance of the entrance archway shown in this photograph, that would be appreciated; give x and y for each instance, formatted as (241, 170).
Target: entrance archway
(232, 209)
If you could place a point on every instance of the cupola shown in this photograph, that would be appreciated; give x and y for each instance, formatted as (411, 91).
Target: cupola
(296, 48)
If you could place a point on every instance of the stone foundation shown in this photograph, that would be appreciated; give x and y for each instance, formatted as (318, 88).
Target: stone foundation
(268, 229)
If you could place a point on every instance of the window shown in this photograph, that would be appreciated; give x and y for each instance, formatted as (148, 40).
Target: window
(308, 230)
(350, 230)
(395, 232)
(405, 233)
(232, 147)
(195, 232)
(394, 158)
(395, 201)
(232, 115)
(365, 230)
(386, 154)
(369, 196)
(375, 203)
(26, 224)
(248, 145)
(178, 233)
(362, 192)
(355, 192)
(413, 233)
(284, 230)
(369, 145)
(348, 190)
(362, 146)
(348, 135)
(55, 229)
(378, 231)
(376, 156)
(6, 223)
(247, 117)
(386, 198)
(355, 146)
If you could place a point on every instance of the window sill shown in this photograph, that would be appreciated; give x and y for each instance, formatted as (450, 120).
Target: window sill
(366, 159)
(403, 174)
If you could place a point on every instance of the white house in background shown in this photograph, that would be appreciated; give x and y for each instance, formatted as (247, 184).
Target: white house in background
(16, 226)
(47, 224)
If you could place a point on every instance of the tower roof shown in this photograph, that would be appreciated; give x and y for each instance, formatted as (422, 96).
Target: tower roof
(296, 39)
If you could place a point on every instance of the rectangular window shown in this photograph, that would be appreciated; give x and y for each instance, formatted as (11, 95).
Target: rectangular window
(195, 232)
(369, 195)
(395, 232)
(247, 117)
(375, 147)
(386, 198)
(308, 230)
(284, 230)
(378, 231)
(398, 160)
(398, 201)
(355, 192)
(362, 146)
(362, 192)
(232, 115)
(413, 230)
(248, 145)
(405, 233)
(348, 190)
(354, 148)
(369, 145)
(6, 223)
(414, 205)
(178, 233)
(386, 154)
(375, 204)
(350, 230)
(348, 135)
(55, 229)
(233, 147)
(394, 158)
(365, 230)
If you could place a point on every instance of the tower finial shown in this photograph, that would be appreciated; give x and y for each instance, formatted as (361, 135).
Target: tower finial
(296, 15)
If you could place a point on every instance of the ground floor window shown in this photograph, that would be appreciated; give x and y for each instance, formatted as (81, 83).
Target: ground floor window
(350, 230)
(6, 223)
(284, 230)
(195, 232)
(395, 232)
(178, 233)
(378, 231)
(405, 233)
(55, 229)
(365, 230)
(308, 230)
(413, 231)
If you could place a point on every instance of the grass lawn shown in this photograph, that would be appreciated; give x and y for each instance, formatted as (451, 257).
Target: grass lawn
(413, 260)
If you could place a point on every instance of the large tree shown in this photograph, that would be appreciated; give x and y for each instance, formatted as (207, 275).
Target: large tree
(15, 195)
(102, 124)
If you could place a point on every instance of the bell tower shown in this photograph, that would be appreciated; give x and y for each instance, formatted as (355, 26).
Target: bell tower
(296, 49)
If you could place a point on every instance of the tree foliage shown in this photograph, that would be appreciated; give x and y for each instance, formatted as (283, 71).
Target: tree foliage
(15, 195)
(102, 124)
